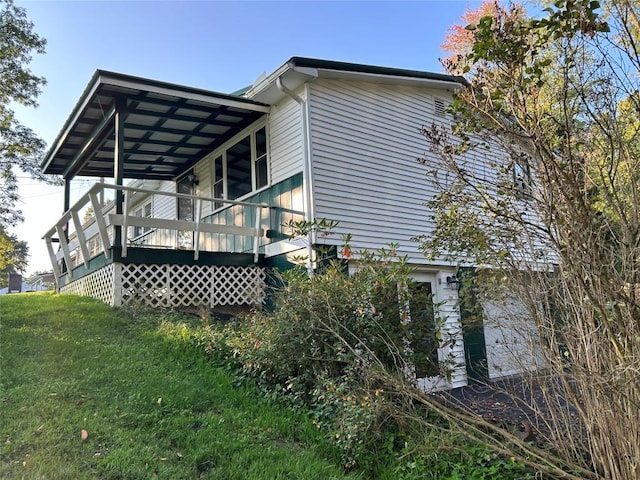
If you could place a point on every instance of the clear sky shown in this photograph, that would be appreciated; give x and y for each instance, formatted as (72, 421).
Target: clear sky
(220, 46)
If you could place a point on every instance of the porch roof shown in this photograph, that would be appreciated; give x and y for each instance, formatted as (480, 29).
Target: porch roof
(167, 127)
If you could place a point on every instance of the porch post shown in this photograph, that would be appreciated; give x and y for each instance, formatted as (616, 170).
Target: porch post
(67, 204)
(118, 162)
(64, 239)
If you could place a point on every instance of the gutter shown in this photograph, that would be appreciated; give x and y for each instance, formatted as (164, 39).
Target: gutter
(307, 170)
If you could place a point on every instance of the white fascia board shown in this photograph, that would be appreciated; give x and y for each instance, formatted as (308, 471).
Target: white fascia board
(388, 79)
(266, 82)
(293, 77)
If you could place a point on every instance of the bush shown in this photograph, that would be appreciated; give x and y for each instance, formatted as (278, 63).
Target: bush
(343, 346)
(323, 343)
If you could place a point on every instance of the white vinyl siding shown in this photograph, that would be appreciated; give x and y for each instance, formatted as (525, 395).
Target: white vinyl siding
(365, 144)
(285, 138)
(511, 337)
(164, 207)
(202, 171)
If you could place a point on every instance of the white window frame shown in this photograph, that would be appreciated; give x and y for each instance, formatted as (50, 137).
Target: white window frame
(521, 173)
(139, 211)
(251, 132)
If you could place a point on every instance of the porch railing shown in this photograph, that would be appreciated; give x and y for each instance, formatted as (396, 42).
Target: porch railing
(97, 233)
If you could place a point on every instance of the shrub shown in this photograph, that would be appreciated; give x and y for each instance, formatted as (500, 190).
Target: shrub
(322, 345)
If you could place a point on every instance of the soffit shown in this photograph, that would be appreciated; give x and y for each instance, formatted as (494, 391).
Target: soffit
(167, 128)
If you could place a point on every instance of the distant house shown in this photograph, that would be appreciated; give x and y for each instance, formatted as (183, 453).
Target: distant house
(202, 184)
(40, 283)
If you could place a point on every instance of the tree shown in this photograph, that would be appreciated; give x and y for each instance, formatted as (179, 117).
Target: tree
(459, 39)
(13, 256)
(20, 147)
(558, 94)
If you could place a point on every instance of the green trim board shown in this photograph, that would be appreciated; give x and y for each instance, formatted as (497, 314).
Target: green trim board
(280, 197)
(181, 257)
(140, 256)
(80, 271)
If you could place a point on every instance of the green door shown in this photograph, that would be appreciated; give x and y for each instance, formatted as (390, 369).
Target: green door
(475, 353)
(471, 317)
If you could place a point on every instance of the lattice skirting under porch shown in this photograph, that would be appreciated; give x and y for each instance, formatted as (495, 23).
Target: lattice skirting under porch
(172, 285)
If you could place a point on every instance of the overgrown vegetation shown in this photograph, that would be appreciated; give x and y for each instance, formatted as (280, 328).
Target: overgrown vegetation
(557, 218)
(153, 404)
(342, 346)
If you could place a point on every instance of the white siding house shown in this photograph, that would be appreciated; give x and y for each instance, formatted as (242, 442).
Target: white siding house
(314, 139)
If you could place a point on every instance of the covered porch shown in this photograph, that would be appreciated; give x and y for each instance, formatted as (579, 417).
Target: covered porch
(212, 259)
(144, 138)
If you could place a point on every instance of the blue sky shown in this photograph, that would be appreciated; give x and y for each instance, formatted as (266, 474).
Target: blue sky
(220, 46)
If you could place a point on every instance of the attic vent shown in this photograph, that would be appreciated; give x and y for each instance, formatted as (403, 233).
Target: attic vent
(440, 107)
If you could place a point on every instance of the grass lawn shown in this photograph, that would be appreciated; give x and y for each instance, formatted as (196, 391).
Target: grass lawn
(152, 407)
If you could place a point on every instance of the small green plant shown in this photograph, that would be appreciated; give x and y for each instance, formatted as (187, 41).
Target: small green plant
(441, 458)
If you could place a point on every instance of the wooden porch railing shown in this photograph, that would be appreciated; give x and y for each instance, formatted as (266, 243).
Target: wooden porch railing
(106, 219)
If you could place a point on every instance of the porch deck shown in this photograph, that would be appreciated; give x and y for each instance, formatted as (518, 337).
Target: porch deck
(121, 258)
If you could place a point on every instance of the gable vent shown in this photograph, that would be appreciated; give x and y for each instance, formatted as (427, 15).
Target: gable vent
(440, 107)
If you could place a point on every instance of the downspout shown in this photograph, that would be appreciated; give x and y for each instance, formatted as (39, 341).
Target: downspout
(307, 182)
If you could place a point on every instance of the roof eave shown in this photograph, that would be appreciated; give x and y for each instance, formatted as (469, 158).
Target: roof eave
(330, 65)
(104, 77)
(298, 70)
(84, 99)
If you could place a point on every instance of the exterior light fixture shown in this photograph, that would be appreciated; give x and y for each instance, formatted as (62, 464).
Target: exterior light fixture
(454, 282)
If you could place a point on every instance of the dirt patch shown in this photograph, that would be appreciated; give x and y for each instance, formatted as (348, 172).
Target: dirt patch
(513, 404)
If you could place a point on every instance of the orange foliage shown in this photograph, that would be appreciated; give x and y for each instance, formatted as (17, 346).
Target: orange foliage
(458, 40)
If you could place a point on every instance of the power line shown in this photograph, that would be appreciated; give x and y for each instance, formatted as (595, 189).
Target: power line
(23, 197)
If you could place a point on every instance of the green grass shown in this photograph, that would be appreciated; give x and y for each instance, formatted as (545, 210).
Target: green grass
(152, 406)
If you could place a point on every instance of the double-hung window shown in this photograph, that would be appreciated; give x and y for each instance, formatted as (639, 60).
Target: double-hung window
(241, 167)
(142, 210)
(521, 171)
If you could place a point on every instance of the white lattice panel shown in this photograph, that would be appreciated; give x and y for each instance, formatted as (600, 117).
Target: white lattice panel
(172, 285)
(238, 285)
(144, 284)
(191, 285)
(98, 284)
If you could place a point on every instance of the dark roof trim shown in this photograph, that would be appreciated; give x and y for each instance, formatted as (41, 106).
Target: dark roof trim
(173, 86)
(101, 77)
(305, 62)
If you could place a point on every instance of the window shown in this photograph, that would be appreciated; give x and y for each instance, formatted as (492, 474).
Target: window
(142, 210)
(241, 168)
(218, 181)
(261, 158)
(521, 171)
(95, 246)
